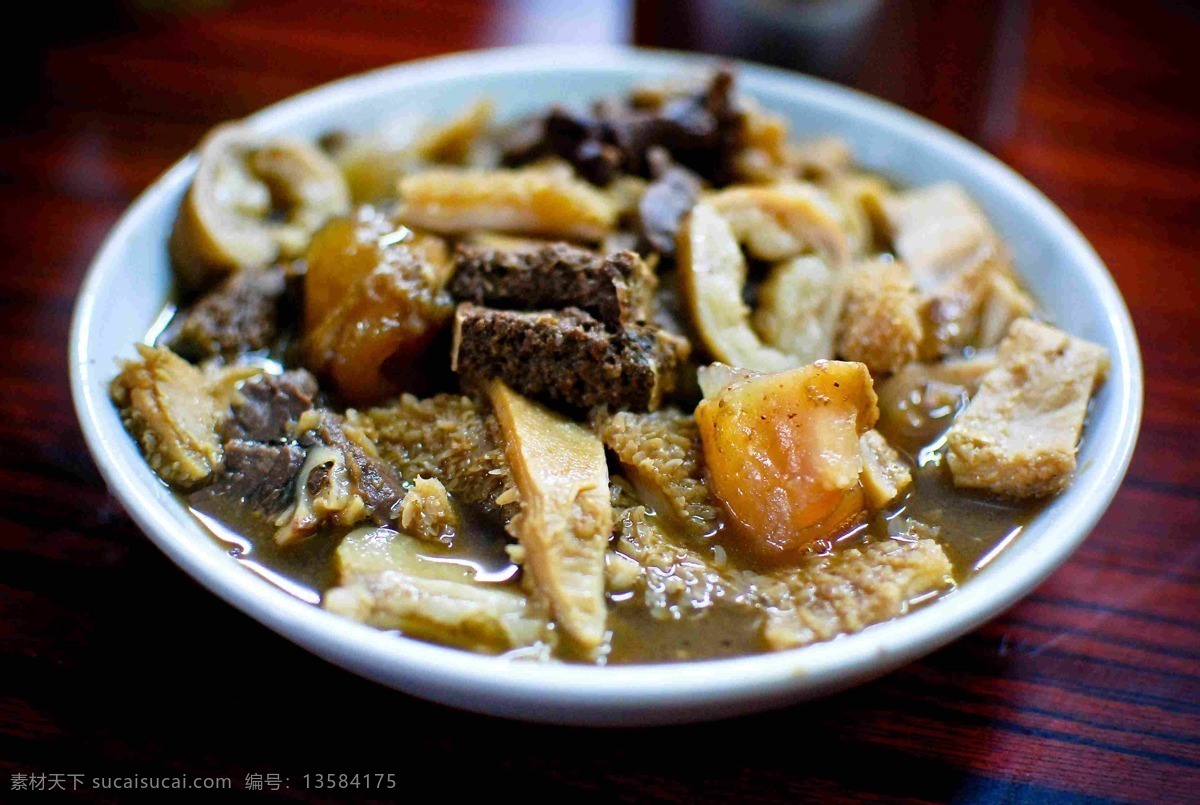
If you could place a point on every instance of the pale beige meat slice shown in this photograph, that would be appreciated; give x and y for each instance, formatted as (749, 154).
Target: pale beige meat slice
(566, 513)
(798, 307)
(1003, 303)
(884, 475)
(960, 265)
(820, 158)
(1019, 434)
(861, 197)
(253, 201)
(662, 455)
(712, 272)
(849, 590)
(393, 581)
(427, 512)
(775, 223)
(174, 411)
(526, 201)
(939, 232)
(881, 319)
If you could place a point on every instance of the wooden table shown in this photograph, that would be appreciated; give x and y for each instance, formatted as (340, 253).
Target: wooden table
(116, 663)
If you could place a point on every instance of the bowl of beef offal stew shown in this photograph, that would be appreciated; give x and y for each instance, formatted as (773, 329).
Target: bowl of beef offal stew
(613, 387)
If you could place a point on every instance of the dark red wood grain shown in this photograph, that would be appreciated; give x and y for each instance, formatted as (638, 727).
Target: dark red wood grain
(115, 662)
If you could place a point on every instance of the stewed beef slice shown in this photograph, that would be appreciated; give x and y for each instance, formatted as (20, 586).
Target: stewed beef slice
(270, 405)
(259, 476)
(240, 315)
(343, 480)
(667, 199)
(373, 480)
(701, 130)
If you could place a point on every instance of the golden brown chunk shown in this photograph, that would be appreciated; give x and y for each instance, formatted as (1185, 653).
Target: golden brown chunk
(253, 200)
(174, 411)
(393, 581)
(378, 302)
(347, 249)
(1018, 435)
(782, 453)
(763, 155)
(885, 476)
(566, 513)
(880, 319)
(849, 590)
(527, 201)
(662, 455)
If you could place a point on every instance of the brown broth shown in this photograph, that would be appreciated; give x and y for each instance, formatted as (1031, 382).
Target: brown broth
(971, 527)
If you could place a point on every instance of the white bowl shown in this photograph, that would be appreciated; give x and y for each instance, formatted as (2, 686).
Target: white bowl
(130, 280)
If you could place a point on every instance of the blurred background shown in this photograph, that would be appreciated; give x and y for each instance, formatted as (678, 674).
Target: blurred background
(108, 94)
(958, 63)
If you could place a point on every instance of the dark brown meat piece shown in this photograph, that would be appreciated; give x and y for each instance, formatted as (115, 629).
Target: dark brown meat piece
(371, 478)
(702, 131)
(254, 477)
(240, 315)
(260, 460)
(667, 199)
(270, 405)
(281, 453)
(616, 289)
(567, 356)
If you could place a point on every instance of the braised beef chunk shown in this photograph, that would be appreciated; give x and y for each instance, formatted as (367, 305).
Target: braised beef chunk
(701, 130)
(240, 315)
(615, 288)
(270, 405)
(567, 356)
(372, 479)
(281, 453)
(260, 476)
(667, 199)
